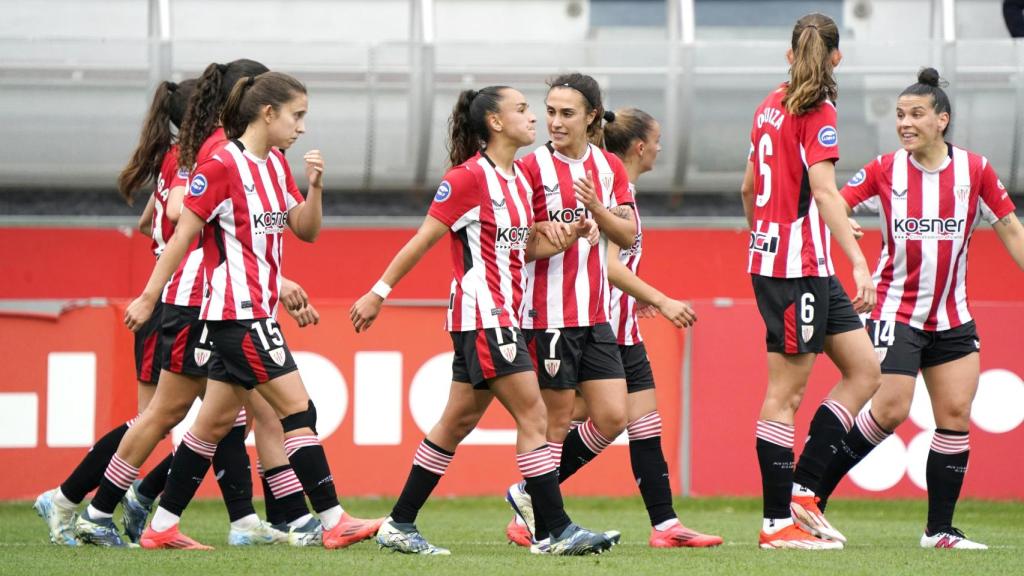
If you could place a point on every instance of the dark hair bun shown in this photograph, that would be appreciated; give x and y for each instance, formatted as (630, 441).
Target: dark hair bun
(609, 116)
(929, 76)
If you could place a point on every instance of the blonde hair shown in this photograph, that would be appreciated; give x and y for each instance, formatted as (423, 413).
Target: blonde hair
(815, 36)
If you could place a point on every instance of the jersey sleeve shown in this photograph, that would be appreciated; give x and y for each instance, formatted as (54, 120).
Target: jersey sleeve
(457, 200)
(622, 193)
(861, 192)
(993, 198)
(293, 197)
(208, 189)
(820, 139)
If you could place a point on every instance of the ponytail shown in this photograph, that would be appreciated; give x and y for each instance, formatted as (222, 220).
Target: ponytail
(156, 137)
(251, 94)
(205, 106)
(814, 38)
(467, 126)
(627, 126)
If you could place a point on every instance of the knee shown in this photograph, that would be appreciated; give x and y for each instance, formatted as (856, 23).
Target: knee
(611, 423)
(533, 418)
(458, 425)
(956, 416)
(891, 414)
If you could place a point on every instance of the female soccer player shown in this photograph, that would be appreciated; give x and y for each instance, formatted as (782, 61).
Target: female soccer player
(484, 204)
(153, 161)
(566, 299)
(930, 195)
(792, 206)
(247, 193)
(634, 136)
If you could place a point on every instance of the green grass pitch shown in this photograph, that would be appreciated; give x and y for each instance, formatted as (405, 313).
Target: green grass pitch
(883, 540)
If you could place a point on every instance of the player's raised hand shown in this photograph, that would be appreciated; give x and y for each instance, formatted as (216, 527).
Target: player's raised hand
(365, 311)
(314, 168)
(586, 193)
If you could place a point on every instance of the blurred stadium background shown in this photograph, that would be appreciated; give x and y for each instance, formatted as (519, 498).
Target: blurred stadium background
(77, 76)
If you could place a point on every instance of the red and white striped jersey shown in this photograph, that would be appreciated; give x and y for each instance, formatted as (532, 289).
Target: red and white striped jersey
(927, 218)
(246, 201)
(570, 289)
(187, 285)
(789, 239)
(170, 177)
(489, 217)
(622, 307)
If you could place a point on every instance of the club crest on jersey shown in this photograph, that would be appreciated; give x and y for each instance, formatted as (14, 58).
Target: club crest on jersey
(278, 356)
(807, 332)
(606, 180)
(202, 356)
(881, 352)
(198, 185)
(962, 192)
(858, 178)
(828, 136)
(508, 351)
(551, 366)
(444, 191)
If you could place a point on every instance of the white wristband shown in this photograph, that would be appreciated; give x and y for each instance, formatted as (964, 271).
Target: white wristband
(381, 289)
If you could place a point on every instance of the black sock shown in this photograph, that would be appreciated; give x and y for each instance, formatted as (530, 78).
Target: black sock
(289, 507)
(234, 475)
(651, 473)
(187, 473)
(307, 458)
(547, 497)
(428, 465)
(87, 476)
(823, 439)
(575, 453)
(153, 484)
(776, 478)
(862, 439)
(945, 476)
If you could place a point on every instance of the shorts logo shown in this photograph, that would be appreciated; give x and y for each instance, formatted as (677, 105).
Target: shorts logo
(508, 351)
(202, 356)
(278, 356)
(962, 192)
(444, 191)
(807, 332)
(828, 136)
(881, 352)
(977, 345)
(551, 366)
(198, 185)
(858, 178)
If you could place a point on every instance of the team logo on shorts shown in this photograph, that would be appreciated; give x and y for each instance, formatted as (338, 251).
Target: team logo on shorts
(858, 178)
(202, 356)
(508, 351)
(828, 136)
(551, 366)
(881, 352)
(444, 191)
(198, 185)
(278, 356)
(807, 332)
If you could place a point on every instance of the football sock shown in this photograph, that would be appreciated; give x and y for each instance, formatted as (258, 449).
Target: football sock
(309, 462)
(232, 469)
(649, 467)
(117, 478)
(830, 424)
(286, 502)
(153, 483)
(945, 470)
(541, 476)
(428, 466)
(191, 462)
(775, 457)
(581, 446)
(87, 475)
(862, 439)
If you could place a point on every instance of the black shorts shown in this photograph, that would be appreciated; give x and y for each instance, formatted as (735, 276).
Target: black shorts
(799, 312)
(248, 352)
(148, 351)
(481, 355)
(903, 349)
(638, 368)
(567, 356)
(184, 341)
